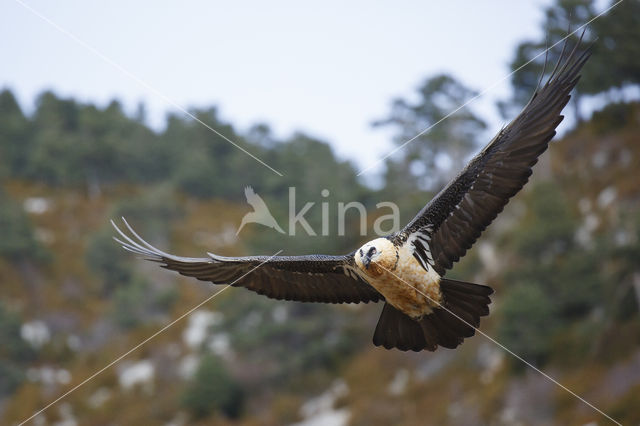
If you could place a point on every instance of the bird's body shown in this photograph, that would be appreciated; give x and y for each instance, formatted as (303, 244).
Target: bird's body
(423, 308)
(398, 276)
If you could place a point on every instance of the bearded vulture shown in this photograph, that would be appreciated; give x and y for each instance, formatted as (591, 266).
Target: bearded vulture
(422, 309)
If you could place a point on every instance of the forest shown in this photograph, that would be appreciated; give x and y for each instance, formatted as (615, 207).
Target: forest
(563, 257)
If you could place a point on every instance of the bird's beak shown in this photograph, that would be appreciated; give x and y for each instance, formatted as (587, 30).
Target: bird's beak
(366, 261)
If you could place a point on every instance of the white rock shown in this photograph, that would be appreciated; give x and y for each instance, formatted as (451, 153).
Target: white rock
(36, 333)
(329, 418)
(74, 343)
(599, 159)
(199, 322)
(584, 205)
(63, 376)
(622, 238)
(220, 344)
(625, 157)
(490, 360)
(188, 366)
(225, 237)
(49, 375)
(607, 196)
(252, 320)
(36, 205)
(489, 257)
(44, 236)
(319, 411)
(280, 314)
(180, 419)
(99, 397)
(134, 373)
(66, 416)
(591, 222)
(399, 383)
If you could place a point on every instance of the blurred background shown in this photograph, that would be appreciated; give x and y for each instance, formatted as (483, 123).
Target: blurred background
(93, 127)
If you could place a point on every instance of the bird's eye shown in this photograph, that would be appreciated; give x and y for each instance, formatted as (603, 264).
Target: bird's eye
(371, 252)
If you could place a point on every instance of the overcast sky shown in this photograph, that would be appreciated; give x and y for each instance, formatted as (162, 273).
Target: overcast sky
(327, 68)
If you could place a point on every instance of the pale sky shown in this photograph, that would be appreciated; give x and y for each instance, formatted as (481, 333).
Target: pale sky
(327, 68)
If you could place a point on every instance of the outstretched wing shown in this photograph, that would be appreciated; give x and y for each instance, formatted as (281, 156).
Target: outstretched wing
(451, 222)
(313, 278)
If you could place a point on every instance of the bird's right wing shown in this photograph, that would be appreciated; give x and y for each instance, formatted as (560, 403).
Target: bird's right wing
(313, 278)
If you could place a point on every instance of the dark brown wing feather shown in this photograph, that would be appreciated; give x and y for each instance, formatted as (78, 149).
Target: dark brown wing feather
(313, 278)
(452, 221)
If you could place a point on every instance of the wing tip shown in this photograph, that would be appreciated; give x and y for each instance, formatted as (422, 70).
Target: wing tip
(134, 243)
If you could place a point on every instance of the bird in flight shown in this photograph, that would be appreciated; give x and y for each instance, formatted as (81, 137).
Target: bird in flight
(406, 270)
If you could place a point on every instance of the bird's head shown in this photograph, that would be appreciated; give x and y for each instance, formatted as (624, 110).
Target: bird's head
(376, 256)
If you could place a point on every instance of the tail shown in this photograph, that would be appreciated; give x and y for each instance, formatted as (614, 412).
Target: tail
(447, 326)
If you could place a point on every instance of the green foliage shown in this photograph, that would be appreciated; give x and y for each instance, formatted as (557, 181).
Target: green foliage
(577, 285)
(130, 304)
(134, 299)
(14, 352)
(14, 136)
(560, 18)
(622, 298)
(612, 117)
(549, 226)
(614, 63)
(154, 209)
(131, 294)
(12, 377)
(75, 144)
(553, 282)
(615, 51)
(18, 241)
(104, 258)
(213, 389)
(527, 322)
(323, 335)
(196, 175)
(13, 347)
(204, 164)
(311, 168)
(451, 139)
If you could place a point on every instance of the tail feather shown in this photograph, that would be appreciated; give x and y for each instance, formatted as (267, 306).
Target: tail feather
(430, 336)
(465, 287)
(397, 330)
(466, 315)
(459, 328)
(474, 299)
(447, 337)
(478, 309)
(447, 326)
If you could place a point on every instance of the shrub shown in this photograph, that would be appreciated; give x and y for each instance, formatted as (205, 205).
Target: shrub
(213, 388)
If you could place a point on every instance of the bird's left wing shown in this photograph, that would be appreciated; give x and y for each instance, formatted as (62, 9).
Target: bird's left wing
(451, 222)
(313, 278)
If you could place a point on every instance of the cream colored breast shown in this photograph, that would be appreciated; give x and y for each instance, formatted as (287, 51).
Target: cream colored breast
(428, 282)
(404, 283)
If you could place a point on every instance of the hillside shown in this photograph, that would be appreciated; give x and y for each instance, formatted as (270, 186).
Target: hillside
(563, 258)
